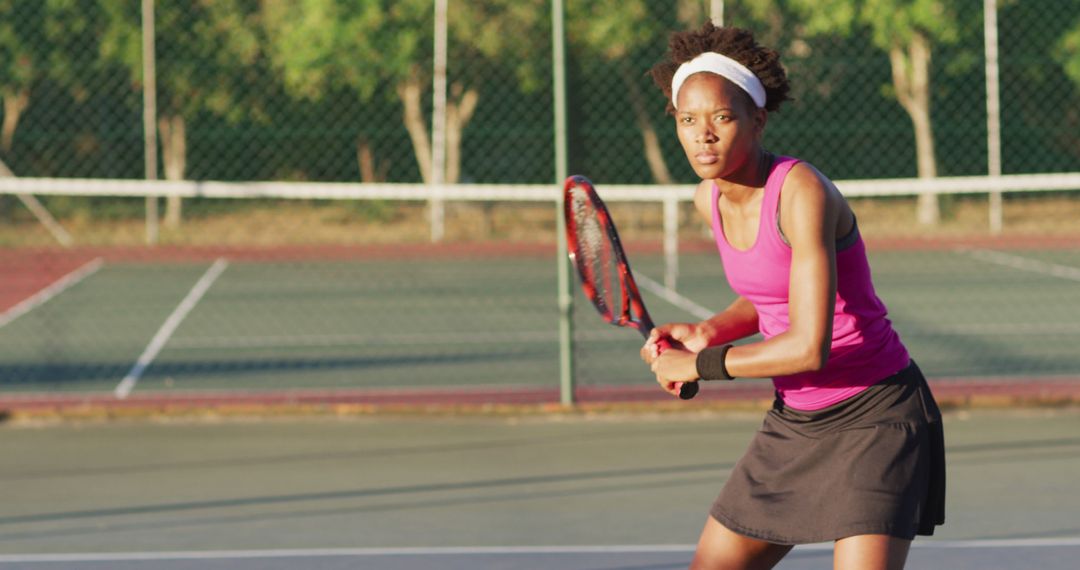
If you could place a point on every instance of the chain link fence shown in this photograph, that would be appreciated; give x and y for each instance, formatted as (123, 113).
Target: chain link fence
(331, 91)
(341, 91)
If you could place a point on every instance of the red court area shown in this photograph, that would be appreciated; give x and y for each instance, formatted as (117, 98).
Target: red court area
(27, 272)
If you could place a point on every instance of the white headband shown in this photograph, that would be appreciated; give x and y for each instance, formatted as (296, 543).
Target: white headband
(723, 66)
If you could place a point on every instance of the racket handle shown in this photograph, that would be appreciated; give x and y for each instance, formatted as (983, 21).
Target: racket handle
(687, 390)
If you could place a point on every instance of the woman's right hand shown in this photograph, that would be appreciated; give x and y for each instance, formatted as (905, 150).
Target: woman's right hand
(688, 336)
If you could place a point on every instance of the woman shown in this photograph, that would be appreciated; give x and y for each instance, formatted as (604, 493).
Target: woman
(852, 450)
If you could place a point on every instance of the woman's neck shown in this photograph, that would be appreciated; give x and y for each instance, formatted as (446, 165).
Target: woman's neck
(743, 184)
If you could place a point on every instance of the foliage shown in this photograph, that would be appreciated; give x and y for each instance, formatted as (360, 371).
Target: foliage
(285, 89)
(1068, 52)
(207, 53)
(319, 46)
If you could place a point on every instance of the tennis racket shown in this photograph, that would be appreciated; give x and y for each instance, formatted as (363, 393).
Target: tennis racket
(602, 266)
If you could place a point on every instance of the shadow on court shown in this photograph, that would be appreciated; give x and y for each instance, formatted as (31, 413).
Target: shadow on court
(608, 479)
(72, 374)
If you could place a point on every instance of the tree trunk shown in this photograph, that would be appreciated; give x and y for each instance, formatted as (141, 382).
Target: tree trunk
(371, 170)
(654, 156)
(459, 111)
(911, 79)
(174, 152)
(15, 102)
(410, 93)
(460, 106)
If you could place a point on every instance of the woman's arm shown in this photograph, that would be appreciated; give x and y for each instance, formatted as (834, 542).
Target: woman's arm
(809, 212)
(810, 209)
(738, 320)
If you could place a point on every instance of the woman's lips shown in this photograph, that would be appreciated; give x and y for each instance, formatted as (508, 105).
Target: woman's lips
(706, 158)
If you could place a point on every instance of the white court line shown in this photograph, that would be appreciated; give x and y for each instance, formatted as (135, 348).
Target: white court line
(55, 288)
(675, 298)
(368, 341)
(466, 550)
(1024, 263)
(169, 327)
(1001, 543)
(365, 340)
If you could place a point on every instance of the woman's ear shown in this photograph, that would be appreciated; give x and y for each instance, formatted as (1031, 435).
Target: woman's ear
(761, 118)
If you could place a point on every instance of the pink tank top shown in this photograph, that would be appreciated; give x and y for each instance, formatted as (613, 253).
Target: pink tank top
(865, 348)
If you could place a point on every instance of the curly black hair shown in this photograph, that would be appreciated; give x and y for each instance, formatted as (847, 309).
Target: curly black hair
(736, 43)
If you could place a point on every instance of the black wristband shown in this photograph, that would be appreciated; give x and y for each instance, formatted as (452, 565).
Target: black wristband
(711, 363)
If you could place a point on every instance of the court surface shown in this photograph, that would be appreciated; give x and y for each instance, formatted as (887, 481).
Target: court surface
(544, 491)
(466, 320)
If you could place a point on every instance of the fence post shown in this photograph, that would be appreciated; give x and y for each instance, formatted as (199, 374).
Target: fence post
(671, 240)
(565, 292)
(716, 12)
(150, 143)
(438, 124)
(993, 110)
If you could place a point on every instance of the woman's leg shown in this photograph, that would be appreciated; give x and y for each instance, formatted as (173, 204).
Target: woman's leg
(870, 552)
(720, 548)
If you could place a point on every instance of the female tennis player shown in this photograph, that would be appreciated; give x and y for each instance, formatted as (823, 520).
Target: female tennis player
(852, 450)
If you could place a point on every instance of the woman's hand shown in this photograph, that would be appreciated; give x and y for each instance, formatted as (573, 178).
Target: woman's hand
(671, 352)
(687, 336)
(673, 367)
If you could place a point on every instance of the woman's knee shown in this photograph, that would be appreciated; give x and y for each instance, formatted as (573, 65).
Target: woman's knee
(871, 552)
(721, 548)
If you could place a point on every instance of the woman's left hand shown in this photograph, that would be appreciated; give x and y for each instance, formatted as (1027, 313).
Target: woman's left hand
(673, 366)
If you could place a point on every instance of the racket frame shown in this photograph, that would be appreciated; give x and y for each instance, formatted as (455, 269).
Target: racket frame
(633, 313)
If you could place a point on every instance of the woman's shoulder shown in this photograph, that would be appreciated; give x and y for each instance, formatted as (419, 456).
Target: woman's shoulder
(807, 190)
(703, 198)
(804, 179)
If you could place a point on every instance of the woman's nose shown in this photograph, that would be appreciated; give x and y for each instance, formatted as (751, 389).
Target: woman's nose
(704, 135)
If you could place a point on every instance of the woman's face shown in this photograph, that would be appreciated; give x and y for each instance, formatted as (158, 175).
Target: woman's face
(718, 125)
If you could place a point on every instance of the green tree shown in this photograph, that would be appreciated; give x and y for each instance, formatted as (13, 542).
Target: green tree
(1067, 52)
(383, 47)
(624, 37)
(22, 59)
(613, 33)
(908, 31)
(206, 61)
(39, 40)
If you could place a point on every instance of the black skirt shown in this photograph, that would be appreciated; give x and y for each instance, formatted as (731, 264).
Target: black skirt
(872, 464)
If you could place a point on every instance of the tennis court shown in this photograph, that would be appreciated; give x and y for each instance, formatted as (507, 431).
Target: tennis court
(626, 491)
(462, 320)
(278, 280)
(539, 490)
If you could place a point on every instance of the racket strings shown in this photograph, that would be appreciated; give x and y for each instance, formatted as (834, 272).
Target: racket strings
(596, 257)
